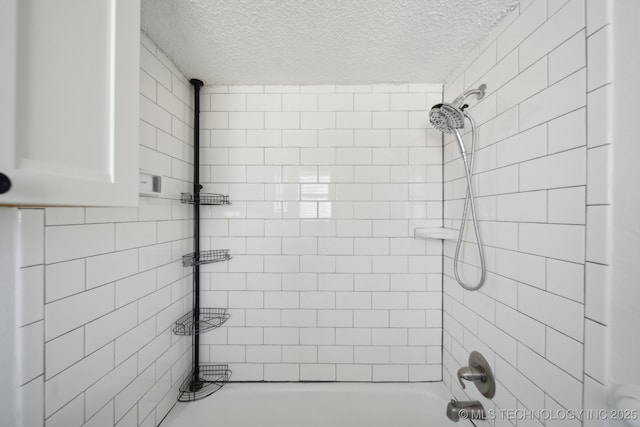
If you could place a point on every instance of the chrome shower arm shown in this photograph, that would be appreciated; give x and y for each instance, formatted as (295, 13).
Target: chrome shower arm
(478, 92)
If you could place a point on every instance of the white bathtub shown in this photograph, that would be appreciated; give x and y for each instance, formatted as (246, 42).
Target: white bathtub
(316, 404)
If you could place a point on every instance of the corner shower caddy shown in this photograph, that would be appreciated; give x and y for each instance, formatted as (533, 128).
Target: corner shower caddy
(205, 378)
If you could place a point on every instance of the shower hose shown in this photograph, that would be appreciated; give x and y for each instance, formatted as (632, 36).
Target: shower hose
(469, 200)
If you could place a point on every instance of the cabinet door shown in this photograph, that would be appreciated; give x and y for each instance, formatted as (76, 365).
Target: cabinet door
(69, 102)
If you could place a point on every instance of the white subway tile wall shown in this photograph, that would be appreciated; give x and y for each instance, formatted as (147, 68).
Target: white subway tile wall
(101, 287)
(327, 184)
(542, 176)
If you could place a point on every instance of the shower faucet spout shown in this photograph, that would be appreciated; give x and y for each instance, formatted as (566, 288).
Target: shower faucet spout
(464, 410)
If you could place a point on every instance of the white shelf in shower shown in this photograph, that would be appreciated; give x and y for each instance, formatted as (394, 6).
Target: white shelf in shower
(440, 233)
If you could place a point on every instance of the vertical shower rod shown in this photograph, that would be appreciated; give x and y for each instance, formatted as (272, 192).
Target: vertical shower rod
(196, 383)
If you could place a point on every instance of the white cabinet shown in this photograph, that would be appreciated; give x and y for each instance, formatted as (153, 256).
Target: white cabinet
(69, 78)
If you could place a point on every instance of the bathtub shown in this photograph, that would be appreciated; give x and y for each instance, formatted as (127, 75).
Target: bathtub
(316, 405)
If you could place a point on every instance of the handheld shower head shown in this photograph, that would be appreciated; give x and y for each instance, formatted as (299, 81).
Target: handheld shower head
(446, 118)
(450, 118)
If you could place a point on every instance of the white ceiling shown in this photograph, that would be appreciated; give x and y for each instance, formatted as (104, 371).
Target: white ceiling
(319, 41)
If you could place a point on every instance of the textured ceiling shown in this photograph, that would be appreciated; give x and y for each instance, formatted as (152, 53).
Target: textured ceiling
(319, 41)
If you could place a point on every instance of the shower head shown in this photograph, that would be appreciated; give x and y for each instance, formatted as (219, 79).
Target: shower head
(446, 118)
(449, 117)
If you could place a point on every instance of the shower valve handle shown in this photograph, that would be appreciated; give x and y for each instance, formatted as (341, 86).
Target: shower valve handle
(480, 373)
(471, 374)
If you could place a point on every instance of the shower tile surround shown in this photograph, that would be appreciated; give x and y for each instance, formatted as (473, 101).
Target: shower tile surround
(100, 288)
(327, 184)
(543, 188)
(326, 283)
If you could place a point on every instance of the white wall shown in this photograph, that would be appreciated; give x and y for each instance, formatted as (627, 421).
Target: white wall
(100, 288)
(327, 184)
(625, 316)
(543, 199)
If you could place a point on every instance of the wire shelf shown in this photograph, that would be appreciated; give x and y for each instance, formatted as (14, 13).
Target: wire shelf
(210, 379)
(205, 199)
(206, 257)
(210, 318)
